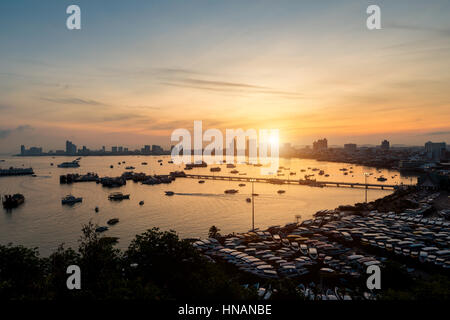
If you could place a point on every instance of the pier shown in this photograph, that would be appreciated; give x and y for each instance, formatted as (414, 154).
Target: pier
(305, 182)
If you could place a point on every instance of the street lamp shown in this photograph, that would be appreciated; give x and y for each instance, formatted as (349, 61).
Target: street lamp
(253, 204)
(366, 174)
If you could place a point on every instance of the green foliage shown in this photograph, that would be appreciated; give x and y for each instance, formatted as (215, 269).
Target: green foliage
(156, 266)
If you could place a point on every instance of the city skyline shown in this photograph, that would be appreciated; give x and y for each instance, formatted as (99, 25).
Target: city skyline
(307, 69)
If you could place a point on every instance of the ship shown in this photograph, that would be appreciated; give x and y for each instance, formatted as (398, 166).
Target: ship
(71, 164)
(70, 199)
(118, 196)
(16, 171)
(13, 201)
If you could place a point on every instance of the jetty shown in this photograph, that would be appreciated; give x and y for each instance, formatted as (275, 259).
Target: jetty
(307, 182)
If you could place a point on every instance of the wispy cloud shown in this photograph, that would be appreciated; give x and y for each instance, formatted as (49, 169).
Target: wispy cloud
(4, 133)
(226, 86)
(437, 133)
(73, 100)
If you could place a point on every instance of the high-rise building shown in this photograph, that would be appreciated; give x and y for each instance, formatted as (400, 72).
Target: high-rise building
(435, 150)
(350, 147)
(156, 149)
(22, 150)
(70, 147)
(385, 145)
(114, 149)
(320, 145)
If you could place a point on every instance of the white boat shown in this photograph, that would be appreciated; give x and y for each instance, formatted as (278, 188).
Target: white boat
(72, 164)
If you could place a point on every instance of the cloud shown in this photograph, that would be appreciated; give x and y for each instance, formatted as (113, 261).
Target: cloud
(225, 86)
(444, 32)
(74, 100)
(437, 133)
(4, 133)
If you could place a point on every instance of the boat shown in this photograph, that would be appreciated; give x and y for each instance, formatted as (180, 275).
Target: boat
(321, 172)
(169, 193)
(201, 181)
(281, 191)
(248, 200)
(118, 196)
(51, 164)
(130, 168)
(113, 221)
(111, 166)
(96, 209)
(241, 184)
(13, 201)
(230, 165)
(234, 171)
(159, 160)
(170, 161)
(231, 191)
(16, 171)
(70, 199)
(71, 164)
(141, 203)
(144, 163)
(292, 173)
(215, 169)
(101, 229)
(327, 175)
(381, 178)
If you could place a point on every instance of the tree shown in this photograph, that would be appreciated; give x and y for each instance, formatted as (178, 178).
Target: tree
(214, 232)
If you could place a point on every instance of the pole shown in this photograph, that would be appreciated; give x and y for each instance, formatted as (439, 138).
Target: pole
(365, 181)
(253, 206)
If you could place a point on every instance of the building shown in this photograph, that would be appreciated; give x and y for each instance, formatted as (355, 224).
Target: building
(70, 147)
(350, 147)
(435, 150)
(114, 149)
(157, 149)
(385, 145)
(320, 145)
(33, 151)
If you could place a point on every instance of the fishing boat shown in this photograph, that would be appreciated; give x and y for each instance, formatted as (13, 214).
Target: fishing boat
(248, 200)
(130, 168)
(96, 209)
(234, 171)
(101, 229)
(241, 184)
(70, 199)
(118, 196)
(281, 191)
(13, 201)
(141, 203)
(144, 163)
(113, 221)
(201, 181)
(215, 169)
(169, 193)
(381, 178)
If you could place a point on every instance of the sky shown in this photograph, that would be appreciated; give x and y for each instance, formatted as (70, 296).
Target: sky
(138, 70)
